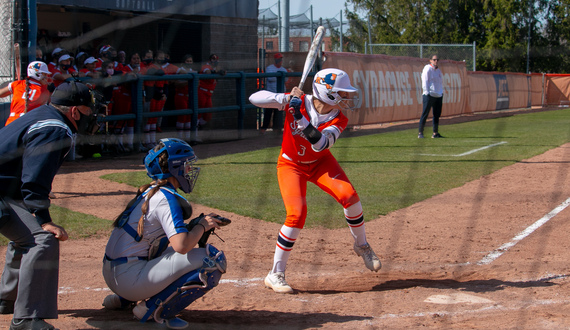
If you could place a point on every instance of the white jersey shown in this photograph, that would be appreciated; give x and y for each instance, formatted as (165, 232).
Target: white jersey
(164, 217)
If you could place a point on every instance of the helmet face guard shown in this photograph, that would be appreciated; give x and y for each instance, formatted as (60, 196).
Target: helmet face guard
(181, 159)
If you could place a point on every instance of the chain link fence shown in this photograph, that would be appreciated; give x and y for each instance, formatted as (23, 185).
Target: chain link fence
(6, 44)
(456, 52)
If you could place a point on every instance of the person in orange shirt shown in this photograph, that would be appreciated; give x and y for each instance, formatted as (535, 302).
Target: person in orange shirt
(313, 123)
(30, 93)
(206, 88)
(183, 122)
(63, 70)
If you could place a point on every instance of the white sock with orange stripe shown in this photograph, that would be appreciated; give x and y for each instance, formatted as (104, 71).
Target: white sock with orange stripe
(285, 242)
(355, 221)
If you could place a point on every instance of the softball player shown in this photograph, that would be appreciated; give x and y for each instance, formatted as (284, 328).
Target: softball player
(131, 269)
(312, 125)
(30, 93)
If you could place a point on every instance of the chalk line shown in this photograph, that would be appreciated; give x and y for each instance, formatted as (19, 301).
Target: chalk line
(468, 152)
(529, 230)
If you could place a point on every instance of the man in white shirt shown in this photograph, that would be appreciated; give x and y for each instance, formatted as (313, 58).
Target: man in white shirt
(272, 87)
(432, 86)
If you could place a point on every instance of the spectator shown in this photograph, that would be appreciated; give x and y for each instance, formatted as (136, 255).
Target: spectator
(162, 61)
(32, 150)
(148, 68)
(123, 105)
(432, 86)
(89, 68)
(39, 55)
(206, 88)
(184, 122)
(30, 93)
(80, 61)
(55, 54)
(121, 58)
(63, 71)
(271, 86)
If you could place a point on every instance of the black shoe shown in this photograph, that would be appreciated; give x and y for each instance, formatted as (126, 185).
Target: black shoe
(420, 135)
(30, 324)
(6, 306)
(436, 135)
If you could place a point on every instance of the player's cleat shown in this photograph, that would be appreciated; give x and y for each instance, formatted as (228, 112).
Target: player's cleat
(370, 259)
(420, 135)
(30, 324)
(176, 323)
(113, 301)
(140, 310)
(276, 281)
(6, 306)
(436, 136)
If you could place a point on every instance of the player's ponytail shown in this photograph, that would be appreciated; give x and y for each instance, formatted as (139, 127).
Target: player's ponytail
(163, 162)
(27, 95)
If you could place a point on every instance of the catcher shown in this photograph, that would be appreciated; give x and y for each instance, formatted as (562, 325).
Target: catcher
(138, 266)
(313, 123)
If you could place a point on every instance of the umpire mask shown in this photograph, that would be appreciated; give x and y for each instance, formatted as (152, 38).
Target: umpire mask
(77, 94)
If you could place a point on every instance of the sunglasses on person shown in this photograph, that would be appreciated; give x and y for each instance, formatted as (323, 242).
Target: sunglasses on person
(435, 59)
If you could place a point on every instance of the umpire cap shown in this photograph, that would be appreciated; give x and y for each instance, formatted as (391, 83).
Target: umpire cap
(72, 93)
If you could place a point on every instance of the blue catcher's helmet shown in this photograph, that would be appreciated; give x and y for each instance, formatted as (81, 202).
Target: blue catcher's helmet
(181, 159)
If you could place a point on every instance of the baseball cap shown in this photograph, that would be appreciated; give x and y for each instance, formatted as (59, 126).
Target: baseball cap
(278, 55)
(90, 60)
(72, 93)
(64, 57)
(55, 51)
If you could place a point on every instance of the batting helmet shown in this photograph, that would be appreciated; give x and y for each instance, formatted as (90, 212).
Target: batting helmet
(181, 159)
(326, 85)
(36, 68)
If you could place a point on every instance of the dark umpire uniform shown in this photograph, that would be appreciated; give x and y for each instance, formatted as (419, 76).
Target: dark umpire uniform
(32, 149)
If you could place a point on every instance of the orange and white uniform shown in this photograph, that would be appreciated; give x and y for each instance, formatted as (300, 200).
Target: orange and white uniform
(301, 162)
(206, 89)
(38, 95)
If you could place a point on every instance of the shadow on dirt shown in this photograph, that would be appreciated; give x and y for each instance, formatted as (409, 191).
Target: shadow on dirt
(251, 319)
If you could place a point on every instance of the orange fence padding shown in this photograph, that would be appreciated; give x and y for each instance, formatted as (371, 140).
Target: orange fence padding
(390, 88)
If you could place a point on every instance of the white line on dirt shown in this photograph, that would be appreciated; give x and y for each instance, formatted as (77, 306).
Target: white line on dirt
(470, 151)
(529, 230)
(494, 308)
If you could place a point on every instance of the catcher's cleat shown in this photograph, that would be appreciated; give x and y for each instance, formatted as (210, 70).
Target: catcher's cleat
(370, 259)
(276, 281)
(140, 310)
(113, 301)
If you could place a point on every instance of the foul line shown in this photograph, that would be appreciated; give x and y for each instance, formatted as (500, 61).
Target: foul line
(470, 151)
(529, 230)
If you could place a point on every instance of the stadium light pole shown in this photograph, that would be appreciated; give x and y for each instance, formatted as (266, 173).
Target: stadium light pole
(528, 37)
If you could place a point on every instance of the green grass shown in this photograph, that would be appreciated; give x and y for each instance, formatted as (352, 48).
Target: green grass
(389, 170)
(78, 225)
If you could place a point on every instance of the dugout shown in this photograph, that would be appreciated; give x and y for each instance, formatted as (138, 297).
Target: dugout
(197, 27)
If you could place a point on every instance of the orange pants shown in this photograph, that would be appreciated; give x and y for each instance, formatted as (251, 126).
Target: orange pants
(155, 106)
(326, 173)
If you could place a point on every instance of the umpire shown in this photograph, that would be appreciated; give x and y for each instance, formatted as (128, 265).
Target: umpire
(32, 149)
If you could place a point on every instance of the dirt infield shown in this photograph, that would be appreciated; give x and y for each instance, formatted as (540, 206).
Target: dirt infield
(435, 272)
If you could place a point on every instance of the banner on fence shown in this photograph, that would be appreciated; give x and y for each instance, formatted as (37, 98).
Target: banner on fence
(390, 87)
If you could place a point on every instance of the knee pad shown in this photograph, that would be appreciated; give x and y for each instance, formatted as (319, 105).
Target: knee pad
(188, 288)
